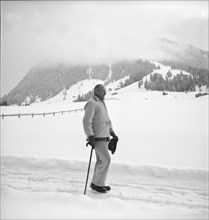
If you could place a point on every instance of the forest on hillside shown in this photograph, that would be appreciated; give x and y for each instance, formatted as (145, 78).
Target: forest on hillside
(46, 82)
(178, 83)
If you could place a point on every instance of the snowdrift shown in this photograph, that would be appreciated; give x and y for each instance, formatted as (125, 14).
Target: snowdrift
(193, 178)
(34, 187)
(18, 163)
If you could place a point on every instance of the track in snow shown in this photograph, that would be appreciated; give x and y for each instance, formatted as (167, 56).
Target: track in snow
(126, 187)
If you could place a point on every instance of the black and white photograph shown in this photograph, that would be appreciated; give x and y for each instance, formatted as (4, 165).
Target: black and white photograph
(104, 109)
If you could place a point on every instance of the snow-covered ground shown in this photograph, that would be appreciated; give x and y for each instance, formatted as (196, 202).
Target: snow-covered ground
(159, 171)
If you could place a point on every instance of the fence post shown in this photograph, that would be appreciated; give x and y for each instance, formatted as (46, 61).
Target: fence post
(19, 115)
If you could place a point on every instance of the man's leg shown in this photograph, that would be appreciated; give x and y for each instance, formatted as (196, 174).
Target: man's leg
(102, 163)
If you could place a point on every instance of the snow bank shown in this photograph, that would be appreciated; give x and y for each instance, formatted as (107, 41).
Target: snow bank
(17, 164)
(59, 164)
(52, 188)
(35, 163)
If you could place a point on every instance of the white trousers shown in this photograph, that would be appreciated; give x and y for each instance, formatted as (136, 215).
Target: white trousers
(102, 163)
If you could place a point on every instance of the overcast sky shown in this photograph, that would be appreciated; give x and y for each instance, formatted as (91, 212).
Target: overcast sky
(92, 31)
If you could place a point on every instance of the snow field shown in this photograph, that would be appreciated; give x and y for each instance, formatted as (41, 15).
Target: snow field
(153, 129)
(159, 171)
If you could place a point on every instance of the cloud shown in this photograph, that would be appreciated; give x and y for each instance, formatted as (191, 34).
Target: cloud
(91, 31)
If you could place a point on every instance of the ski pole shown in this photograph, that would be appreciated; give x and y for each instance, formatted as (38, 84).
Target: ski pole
(88, 170)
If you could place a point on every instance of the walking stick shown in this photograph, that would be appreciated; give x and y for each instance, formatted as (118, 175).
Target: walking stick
(88, 170)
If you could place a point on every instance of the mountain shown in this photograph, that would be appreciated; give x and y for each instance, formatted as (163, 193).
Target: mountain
(162, 78)
(181, 56)
(45, 81)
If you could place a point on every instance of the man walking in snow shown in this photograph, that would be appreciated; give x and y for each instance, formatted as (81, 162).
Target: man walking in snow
(98, 128)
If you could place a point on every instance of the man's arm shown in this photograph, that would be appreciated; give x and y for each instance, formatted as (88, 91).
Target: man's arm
(88, 118)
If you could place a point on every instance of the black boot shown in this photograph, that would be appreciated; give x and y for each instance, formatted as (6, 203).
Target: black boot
(98, 188)
(107, 188)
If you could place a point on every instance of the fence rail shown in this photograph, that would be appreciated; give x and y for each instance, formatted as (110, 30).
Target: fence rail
(35, 114)
(46, 113)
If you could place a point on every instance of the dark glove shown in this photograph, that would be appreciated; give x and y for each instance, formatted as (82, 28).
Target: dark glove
(115, 137)
(112, 145)
(91, 141)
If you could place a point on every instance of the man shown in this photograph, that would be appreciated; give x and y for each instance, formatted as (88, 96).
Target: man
(98, 128)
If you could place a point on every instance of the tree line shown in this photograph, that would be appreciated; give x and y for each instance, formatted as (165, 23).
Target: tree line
(3, 103)
(178, 83)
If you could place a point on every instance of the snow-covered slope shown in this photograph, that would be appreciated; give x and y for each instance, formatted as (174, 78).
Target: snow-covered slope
(159, 170)
(114, 87)
(74, 91)
(82, 88)
(163, 70)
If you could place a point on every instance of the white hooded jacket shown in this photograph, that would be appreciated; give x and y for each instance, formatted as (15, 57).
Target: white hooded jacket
(96, 120)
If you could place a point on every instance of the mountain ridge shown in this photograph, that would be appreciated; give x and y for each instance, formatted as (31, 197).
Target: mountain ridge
(45, 81)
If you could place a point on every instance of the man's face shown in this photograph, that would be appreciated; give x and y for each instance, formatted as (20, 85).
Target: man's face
(101, 92)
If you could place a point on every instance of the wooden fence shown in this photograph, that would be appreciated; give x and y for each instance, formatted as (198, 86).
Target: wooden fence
(38, 114)
(46, 113)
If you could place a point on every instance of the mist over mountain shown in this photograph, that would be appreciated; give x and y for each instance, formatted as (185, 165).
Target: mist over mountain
(46, 80)
(182, 56)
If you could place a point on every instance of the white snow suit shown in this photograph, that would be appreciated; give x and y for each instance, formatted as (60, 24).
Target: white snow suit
(97, 123)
